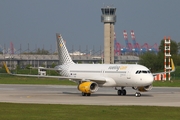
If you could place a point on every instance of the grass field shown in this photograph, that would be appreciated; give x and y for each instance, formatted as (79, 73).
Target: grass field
(14, 111)
(9, 79)
(10, 111)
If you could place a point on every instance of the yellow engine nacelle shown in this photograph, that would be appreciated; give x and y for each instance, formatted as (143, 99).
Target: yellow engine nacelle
(143, 88)
(88, 87)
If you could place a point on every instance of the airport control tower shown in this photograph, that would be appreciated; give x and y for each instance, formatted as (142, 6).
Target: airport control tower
(108, 17)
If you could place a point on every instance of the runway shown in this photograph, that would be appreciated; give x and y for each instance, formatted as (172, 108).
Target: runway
(58, 94)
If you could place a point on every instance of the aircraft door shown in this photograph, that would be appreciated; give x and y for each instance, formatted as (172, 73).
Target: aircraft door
(102, 72)
(128, 73)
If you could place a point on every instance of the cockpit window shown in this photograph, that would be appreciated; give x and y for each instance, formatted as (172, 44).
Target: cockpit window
(142, 71)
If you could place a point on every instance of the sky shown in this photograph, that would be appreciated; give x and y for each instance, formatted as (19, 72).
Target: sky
(35, 22)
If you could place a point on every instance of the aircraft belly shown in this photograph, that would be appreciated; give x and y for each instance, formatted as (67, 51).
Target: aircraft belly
(110, 82)
(123, 81)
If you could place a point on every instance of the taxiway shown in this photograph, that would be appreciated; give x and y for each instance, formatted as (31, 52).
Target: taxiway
(58, 94)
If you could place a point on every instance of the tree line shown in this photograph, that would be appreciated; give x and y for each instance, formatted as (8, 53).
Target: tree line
(155, 62)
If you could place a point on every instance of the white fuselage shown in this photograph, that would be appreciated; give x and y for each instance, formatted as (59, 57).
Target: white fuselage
(115, 75)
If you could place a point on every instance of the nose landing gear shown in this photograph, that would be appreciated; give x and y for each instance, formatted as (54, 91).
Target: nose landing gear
(137, 94)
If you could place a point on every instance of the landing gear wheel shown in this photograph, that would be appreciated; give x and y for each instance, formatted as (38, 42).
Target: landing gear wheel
(123, 92)
(137, 94)
(119, 92)
(84, 94)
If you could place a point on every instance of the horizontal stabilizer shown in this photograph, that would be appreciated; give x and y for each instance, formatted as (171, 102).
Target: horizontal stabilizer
(55, 69)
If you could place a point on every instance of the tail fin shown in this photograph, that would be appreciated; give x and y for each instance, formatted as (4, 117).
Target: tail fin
(7, 70)
(64, 57)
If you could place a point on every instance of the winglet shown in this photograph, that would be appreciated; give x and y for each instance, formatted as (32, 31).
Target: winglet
(7, 69)
(172, 69)
(172, 65)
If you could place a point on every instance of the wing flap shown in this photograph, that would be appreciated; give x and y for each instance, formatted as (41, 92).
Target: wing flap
(97, 80)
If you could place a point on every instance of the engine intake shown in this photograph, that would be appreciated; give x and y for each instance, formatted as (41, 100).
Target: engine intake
(88, 87)
(143, 88)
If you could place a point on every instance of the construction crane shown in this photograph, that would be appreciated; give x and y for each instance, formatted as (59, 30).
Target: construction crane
(117, 46)
(129, 46)
(1, 49)
(145, 47)
(135, 44)
(11, 48)
(154, 48)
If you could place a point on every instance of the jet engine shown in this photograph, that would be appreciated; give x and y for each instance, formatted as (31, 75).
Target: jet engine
(88, 87)
(143, 88)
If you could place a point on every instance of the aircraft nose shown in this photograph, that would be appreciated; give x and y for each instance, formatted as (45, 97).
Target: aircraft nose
(150, 79)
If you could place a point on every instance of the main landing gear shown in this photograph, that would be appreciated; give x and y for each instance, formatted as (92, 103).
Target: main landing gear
(122, 91)
(86, 94)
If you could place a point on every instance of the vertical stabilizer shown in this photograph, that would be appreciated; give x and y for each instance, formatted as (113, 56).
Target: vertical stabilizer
(64, 57)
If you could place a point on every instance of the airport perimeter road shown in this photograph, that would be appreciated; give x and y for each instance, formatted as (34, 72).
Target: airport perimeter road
(57, 94)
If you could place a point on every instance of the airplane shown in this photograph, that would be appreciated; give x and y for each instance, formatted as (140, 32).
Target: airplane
(92, 76)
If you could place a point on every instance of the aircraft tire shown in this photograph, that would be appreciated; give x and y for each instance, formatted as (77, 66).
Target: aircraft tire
(84, 94)
(137, 94)
(123, 92)
(119, 92)
(88, 94)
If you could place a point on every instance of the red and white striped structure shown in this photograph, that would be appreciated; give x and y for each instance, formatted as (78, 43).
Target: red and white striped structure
(117, 46)
(159, 77)
(167, 56)
(125, 35)
(129, 46)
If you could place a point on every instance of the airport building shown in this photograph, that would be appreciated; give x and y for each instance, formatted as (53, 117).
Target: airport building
(23, 60)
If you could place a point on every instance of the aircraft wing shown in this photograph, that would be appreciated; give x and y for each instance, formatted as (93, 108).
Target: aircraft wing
(39, 76)
(172, 69)
(99, 80)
